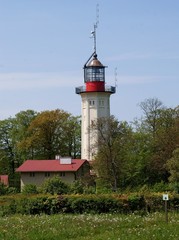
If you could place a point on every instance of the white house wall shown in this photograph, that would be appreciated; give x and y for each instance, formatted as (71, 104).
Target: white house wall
(40, 177)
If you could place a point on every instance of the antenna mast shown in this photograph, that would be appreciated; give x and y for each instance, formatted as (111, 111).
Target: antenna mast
(115, 76)
(95, 27)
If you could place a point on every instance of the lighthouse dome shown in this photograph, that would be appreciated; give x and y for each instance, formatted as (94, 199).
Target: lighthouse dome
(95, 62)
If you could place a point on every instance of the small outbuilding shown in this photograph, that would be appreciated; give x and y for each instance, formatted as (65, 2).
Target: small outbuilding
(69, 170)
(4, 179)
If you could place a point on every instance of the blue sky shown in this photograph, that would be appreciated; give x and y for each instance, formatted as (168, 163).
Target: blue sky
(45, 43)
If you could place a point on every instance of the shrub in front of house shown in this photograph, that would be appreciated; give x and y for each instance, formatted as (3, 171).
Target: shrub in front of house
(55, 186)
(77, 187)
(30, 189)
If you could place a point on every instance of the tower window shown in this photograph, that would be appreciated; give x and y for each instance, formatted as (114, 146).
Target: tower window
(91, 102)
(101, 102)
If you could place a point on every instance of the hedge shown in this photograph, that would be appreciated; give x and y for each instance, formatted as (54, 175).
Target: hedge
(78, 204)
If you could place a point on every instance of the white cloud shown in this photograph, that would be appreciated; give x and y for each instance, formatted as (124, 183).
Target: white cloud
(138, 79)
(142, 56)
(129, 56)
(142, 79)
(24, 80)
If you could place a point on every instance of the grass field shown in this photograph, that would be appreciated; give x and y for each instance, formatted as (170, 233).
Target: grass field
(90, 227)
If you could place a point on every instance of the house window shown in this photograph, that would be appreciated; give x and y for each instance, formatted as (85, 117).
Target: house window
(32, 174)
(62, 174)
(47, 174)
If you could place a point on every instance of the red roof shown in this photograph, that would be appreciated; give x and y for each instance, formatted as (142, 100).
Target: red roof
(50, 166)
(4, 179)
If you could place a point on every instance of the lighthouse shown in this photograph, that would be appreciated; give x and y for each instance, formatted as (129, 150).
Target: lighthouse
(95, 101)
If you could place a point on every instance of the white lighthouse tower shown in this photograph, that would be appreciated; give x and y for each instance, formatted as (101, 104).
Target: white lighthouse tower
(95, 96)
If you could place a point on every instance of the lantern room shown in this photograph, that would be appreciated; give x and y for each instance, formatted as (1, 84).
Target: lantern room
(94, 71)
(94, 75)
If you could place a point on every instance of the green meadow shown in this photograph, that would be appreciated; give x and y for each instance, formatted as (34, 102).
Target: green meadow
(90, 227)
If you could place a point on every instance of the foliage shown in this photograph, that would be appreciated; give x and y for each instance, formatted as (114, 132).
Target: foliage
(5, 190)
(174, 187)
(30, 189)
(160, 187)
(129, 157)
(55, 186)
(113, 141)
(12, 131)
(77, 187)
(2, 189)
(151, 108)
(162, 125)
(11, 190)
(52, 133)
(100, 203)
(136, 202)
(31, 135)
(173, 167)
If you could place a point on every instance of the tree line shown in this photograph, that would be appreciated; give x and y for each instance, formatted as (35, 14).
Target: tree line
(37, 135)
(144, 152)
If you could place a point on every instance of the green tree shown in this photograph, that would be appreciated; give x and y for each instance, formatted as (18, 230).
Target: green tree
(173, 167)
(150, 108)
(113, 142)
(12, 132)
(137, 160)
(161, 125)
(52, 133)
(73, 137)
(7, 146)
(21, 124)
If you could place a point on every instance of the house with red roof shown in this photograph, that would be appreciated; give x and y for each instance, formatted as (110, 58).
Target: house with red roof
(69, 170)
(4, 179)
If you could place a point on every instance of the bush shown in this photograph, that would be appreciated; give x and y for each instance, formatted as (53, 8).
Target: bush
(55, 186)
(2, 189)
(102, 203)
(174, 187)
(11, 190)
(136, 202)
(102, 186)
(77, 187)
(30, 189)
(160, 187)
